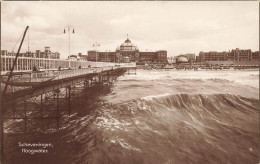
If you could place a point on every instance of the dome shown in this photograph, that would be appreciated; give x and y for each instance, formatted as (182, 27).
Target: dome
(182, 59)
(128, 46)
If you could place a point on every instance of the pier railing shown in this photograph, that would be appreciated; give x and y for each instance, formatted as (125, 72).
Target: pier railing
(25, 64)
(35, 77)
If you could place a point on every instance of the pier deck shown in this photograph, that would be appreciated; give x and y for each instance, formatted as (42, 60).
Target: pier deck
(36, 83)
(54, 87)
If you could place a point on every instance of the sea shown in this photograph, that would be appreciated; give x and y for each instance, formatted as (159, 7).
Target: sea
(155, 117)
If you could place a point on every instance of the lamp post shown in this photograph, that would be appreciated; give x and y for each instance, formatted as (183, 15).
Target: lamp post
(69, 28)
(96, 45)
(107, 56)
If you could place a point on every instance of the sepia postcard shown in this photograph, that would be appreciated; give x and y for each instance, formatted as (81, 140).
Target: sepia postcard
(129, 82)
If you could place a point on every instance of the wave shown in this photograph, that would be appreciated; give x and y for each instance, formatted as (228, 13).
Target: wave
(255, 75)
(197, 80)
(216, 128)
(179, 128)
(219, 80)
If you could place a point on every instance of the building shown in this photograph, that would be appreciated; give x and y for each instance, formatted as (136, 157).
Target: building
(234, 57)
(197, 59)
(4, 53)
(240, 55)
(37, 54)
(153, 57)
(190, 56)
(128, 52)
(93, 55)
(83, 57)
(182, 59)
(147, 57)
(27, 60)
(171, 60)
(161, 56)
(78, 57)
(213, 56)
(107, 56)
(73, 57)
(25, 54)
(46, 54)
(255, 55)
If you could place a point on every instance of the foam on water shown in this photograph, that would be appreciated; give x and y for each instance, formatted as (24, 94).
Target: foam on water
(163, 117)
(151, 97)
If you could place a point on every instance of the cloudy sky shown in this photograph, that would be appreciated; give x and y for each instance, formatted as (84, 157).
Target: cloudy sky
(178, 27)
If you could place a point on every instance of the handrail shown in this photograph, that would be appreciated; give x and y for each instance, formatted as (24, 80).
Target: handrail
(56, 75)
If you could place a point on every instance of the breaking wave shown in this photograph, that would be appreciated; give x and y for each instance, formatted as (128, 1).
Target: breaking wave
(178, 128)
(158, 117)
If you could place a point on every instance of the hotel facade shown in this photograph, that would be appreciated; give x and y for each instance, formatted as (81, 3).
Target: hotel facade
(236, 55)
(128, 52)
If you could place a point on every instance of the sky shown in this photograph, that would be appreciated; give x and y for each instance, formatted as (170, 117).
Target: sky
(175, 26)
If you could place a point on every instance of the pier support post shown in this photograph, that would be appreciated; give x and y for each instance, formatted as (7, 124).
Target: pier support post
(14, 107)
(58, 122)
(66, 92)
(25, 116)
(41, 103)
(69, 90)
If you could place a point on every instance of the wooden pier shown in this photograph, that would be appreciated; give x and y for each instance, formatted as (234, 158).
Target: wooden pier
(40, 98)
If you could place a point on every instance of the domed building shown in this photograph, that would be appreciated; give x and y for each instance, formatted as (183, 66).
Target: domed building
(128, 46)
(182, 59)
(127, 52)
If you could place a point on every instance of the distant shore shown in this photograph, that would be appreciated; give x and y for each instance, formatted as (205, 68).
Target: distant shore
(198, 67)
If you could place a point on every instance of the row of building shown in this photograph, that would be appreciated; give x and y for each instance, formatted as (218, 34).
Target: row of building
(37, 54)
(128, 52)
(235, 55)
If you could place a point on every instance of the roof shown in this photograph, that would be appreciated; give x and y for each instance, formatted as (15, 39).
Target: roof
(127, 46)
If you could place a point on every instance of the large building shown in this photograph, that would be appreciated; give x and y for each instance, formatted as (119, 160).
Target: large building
(28, 60)
(240, 55)
(93, 55)
(107, 56)
(47, 54)
(153, 56)
(38, 54)
(235, 56)
(128, 52)
(255, 55)
(213, 56)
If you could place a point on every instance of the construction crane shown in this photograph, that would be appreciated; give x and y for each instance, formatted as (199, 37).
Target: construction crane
(15, 60)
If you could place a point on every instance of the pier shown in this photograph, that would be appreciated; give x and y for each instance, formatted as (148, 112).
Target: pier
(47, 95)
(34, 88)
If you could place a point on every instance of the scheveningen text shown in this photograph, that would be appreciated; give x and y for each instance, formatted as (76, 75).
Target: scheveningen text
(34, 148)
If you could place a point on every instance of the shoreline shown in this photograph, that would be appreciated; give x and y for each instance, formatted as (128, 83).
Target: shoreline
(200, 69)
